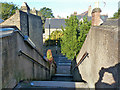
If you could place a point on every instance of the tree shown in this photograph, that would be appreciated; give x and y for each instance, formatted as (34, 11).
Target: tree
(116, 14)
(45, 13)
(74, 36)
(7, 9)
(69, 42)
(84, 29)
(56, 35)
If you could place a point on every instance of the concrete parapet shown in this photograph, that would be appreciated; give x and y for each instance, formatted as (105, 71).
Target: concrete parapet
(25, 65)
(101, 68)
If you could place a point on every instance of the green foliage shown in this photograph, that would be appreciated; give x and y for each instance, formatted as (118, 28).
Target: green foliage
(116, 14)
(7, 9)
(52, 42)
(56, 35)
(69, 43)
(84, 29)
(45, 13)
(74, 36)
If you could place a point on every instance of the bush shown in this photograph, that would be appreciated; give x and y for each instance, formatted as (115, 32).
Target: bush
(52, 42)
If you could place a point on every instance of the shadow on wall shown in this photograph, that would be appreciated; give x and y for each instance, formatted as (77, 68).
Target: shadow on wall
(115, 79)
(75, 72)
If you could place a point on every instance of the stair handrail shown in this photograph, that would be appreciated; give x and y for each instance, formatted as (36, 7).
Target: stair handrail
(81, 60)
(32, 59)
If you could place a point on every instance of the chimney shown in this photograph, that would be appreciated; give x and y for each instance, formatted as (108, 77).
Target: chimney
(25, 7)
(97, 4)
(96, 20)
(89, 11)
(34, 11)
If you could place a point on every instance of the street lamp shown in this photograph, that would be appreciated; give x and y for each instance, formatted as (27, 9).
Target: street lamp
(49, 32)
(56, 43)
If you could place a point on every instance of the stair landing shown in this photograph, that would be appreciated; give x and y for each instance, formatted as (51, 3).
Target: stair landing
(55, 84)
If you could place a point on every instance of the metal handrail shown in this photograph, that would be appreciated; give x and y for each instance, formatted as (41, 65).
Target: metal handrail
(33, 46)
(32, 59)
(8, 26)
(81, 60)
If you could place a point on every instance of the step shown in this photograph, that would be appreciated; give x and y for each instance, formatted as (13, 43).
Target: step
(63, 69)
(59, 84)
(62, 77)
(64, 64)
(63, 60)
(66, 75)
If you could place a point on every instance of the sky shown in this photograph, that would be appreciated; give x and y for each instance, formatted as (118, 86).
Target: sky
(65, 8)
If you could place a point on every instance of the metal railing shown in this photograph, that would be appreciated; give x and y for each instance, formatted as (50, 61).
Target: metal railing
(81, 60)
(32, 59)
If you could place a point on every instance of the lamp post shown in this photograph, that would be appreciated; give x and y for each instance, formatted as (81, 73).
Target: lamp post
(49, 32)
(56, 44)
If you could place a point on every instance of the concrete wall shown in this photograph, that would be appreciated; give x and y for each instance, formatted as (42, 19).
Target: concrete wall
(16, 66)
(75, 72)
(100, 69)
(29, 24)
(36, 31)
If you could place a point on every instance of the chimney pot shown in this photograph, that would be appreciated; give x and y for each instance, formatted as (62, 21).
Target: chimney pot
(89, 11)
(34, 11)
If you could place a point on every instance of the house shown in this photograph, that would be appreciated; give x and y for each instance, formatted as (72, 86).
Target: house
(53, 24)
(89, 15)
(56, 23)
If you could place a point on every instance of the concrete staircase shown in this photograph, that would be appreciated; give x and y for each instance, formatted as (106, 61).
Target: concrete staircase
(63, 79)
(63, 69)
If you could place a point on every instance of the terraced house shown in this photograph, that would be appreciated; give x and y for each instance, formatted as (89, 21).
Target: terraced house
(53, 24)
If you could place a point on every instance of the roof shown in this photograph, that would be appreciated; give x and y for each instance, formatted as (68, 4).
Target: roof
(85, 14)
(110, 25)
(104, 17)
(55, 23)
(79, 16)
(111, 22)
